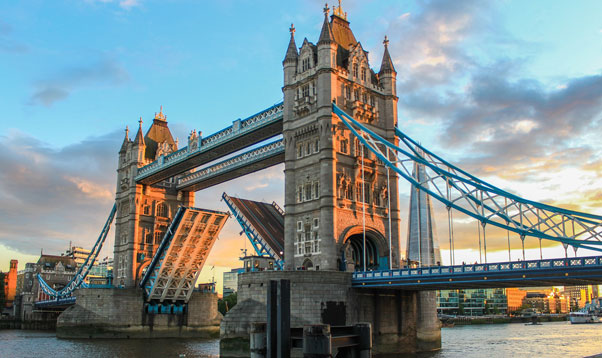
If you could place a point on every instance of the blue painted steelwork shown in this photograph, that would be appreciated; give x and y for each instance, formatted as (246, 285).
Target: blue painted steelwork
(245, 159)
(259, 243)
(488, 204)
(577, 270)
(64, 301)
(237, 129)
(84, 269)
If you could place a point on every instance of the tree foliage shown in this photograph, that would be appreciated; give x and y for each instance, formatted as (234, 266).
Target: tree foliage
(225, 304)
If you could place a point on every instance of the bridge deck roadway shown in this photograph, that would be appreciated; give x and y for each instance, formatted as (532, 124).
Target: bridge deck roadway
(182, 161)
(553, 272)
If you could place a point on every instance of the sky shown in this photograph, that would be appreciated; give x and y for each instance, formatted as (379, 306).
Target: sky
(510, 91)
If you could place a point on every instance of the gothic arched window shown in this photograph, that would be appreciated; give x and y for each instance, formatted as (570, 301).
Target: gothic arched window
(162, 210)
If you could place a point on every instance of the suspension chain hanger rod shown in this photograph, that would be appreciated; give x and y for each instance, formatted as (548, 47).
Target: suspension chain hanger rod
(476, 198)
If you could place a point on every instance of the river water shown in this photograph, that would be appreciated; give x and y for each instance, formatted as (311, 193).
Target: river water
(554, 339)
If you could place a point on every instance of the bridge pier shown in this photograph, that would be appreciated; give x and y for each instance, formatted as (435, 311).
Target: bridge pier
(402, 321)
(120, 313)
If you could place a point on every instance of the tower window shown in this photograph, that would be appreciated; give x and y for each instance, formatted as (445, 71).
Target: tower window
(316, 145)
(162, 210)
(300, 193)
(308, 148)
(316, 223)
(356, 94)
(305, 64)
(307, 192)
(363, 74)
(355, 68)
(347, 92)
(305, 90)
(316, 190)
(372, 101)
(364, 98)
(300, 151)
(343, 146)
(299, 226)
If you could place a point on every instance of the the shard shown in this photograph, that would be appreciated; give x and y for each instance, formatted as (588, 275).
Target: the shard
(423, 244)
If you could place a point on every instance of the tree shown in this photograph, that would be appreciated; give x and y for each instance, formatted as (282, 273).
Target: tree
(225, 304)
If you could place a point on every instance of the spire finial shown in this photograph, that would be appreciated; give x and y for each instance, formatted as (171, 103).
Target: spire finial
(292, 29)
(386, 41)
(326, 10)
(140, 122)
(338, 11)
(160, 115)
(127, 131)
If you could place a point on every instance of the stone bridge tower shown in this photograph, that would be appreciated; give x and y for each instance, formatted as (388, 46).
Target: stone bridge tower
(143, 212)
(324, 191)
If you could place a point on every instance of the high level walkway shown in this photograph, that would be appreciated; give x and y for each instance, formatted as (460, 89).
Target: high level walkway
(240, 135)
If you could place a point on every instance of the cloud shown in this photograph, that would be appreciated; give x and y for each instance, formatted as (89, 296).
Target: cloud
(60, 86)
(7, 44)
(50, 196)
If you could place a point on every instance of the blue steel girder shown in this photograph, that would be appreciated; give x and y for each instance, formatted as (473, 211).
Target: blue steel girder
(84, 269)
(261, 247)
(248, 162)
(459, 190)
(241, 134)
(548, 272)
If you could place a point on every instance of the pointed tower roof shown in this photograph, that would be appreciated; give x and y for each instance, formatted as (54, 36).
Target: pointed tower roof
(126, 140)
(139, 139)
(340, 28)
(326, 35)
(291, 51)
(387, 64)
(157, 133)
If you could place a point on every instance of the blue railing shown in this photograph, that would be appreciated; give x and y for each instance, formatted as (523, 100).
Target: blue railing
(433, 271)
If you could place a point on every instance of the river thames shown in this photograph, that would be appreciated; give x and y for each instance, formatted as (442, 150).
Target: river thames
(554, 339)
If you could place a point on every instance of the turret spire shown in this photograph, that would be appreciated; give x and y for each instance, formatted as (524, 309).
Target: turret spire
(126, 140)
(139, 137)
(387, 64)
(291, 51)
(326, 35)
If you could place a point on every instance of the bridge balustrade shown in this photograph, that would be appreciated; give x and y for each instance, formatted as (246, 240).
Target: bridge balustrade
(476, 268)
(238, 128)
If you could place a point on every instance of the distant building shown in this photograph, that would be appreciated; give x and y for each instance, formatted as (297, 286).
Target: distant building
(79, 254)
(580, 295)
(101, 273)
(231, 281)
(10, 283)
(473, 302)
(515, 297)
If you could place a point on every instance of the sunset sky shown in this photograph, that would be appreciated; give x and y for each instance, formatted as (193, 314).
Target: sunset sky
(510, 91)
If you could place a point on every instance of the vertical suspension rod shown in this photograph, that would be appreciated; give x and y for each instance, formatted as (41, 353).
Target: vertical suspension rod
(390, 233)
(364, 207)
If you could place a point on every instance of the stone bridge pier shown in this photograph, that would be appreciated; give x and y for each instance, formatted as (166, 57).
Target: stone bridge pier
(402, 321)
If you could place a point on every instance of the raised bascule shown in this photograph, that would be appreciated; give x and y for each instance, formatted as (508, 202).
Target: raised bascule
(338, 237)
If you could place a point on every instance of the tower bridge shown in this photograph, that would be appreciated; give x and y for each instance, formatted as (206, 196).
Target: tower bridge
(339, 238)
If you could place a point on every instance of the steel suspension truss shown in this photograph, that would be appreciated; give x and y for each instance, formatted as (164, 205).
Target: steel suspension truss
(84, 269)
(488, 204)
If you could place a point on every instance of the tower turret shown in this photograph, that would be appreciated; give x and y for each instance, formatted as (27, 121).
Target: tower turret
(290, 59)
(387, 73)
